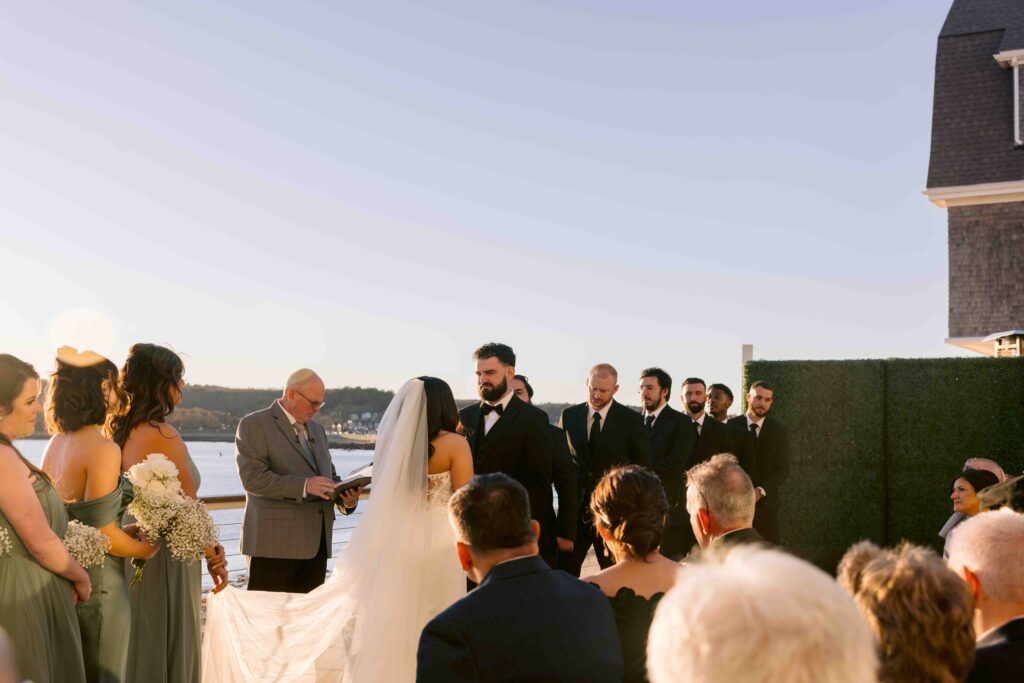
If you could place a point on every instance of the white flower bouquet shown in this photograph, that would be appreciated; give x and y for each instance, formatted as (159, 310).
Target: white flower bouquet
(163, 511)
(87, 544)
(5, 542)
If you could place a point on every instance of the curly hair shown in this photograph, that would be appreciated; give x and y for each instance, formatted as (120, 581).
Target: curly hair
(75, 396)
(630, 503)
(149, 378)
(920, 612)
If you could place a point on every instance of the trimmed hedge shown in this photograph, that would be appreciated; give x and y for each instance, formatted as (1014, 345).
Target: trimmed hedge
(874, 444)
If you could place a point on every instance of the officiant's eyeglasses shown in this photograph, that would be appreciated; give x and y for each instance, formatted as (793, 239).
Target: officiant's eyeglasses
(315, 405)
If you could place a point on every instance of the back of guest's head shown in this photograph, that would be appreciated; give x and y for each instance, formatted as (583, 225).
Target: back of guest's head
(503, 352)
(991, 546)
(442, 413)
(978, 479)
(756, 615)
(630, 503)
(150, 379)
(75, 395)
(920, 612)
(490, 513)
(986, 464)
(723, 488)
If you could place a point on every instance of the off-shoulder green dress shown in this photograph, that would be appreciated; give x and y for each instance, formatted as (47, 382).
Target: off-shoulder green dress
(105, 619)
(164, 645)
(36, 608)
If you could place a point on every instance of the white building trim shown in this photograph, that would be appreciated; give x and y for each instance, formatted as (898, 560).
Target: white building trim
(983, 193)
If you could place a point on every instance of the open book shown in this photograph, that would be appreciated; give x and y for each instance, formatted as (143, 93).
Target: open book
(356, 478)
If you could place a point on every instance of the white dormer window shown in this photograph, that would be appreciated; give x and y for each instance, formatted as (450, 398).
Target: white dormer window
(1014, 60)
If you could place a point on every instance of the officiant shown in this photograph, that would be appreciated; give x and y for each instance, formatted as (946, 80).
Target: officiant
(285, 466)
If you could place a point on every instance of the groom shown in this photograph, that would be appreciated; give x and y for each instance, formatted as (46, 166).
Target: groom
(286, 471)
(509, 436)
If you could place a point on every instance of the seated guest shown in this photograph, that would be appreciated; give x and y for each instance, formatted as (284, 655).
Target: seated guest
(918, 609)
(964, 494)
(973, 464)
(721, 501)
(525, 621)
(750, 614)
(629, 508)
(987, 553)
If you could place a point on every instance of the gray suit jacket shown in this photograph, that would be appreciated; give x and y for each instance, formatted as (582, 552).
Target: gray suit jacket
(279, 521)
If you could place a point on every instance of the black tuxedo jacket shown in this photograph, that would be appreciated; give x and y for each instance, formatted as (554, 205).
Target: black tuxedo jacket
(519, 445)
(671, 444)
(767, 460)
(1000, 655)
(525, 622)
(623, 441)
(566, 485)
(714, 438)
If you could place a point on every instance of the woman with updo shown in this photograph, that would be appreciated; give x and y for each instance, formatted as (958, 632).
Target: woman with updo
(629, 508)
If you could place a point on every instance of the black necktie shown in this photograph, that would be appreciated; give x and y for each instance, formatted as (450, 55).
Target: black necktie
(696, 429)
(649, 421)
(486, 408)
(595, 431)
(753, 430)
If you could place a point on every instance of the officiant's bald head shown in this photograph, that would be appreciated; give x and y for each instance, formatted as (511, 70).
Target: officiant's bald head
(303, 395)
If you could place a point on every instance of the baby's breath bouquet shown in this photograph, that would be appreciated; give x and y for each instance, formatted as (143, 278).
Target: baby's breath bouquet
(87, 544)
(5, 541)
(163, 511)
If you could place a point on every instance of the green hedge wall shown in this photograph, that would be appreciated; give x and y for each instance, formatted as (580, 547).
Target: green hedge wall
(874, 444)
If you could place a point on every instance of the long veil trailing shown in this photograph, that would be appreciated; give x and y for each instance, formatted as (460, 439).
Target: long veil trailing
(364, 623)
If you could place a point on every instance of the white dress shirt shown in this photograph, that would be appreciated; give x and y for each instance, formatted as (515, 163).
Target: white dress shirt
(492, 417)
(590, 416)
(655, 413)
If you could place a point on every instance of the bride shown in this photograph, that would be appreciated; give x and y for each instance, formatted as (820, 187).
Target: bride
(398, 570)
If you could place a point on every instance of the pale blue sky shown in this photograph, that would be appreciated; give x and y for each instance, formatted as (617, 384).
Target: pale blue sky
(374, 189)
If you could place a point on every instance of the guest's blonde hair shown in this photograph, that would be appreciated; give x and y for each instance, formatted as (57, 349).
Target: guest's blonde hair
(920, 612)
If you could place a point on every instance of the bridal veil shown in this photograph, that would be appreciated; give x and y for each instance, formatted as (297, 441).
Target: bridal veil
(363, 624)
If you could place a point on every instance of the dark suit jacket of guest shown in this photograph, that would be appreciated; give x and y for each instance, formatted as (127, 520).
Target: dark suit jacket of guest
(671, 446)
(525, 622)
(623, 441)
(767, 461)
(566, 485)
(1000, 655)
(746, 536)
(715, 438)
(519, 445)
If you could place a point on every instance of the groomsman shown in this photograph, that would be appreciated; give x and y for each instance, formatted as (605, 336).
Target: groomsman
(564, 475)
(671, 443)
(711, 437)
(603, 434)
(510, 436)
(719, 401)
(764, 455)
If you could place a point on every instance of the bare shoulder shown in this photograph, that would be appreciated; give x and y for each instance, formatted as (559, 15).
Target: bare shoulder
(10, 463)
(452, 443)
(106, 454)
(608, 580)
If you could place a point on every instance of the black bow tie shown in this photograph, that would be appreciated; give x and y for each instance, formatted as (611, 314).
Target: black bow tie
(486, 408)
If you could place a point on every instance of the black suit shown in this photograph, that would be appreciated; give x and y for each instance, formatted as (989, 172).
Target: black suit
(623, 440)
(525, 622)
(746, 536)
(766, 460)
(519, 445)
(1000, 655)
(566, 485)
(672, 440)
(714, 438)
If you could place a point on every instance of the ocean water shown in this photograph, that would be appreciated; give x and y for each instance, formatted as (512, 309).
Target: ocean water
(216, 463)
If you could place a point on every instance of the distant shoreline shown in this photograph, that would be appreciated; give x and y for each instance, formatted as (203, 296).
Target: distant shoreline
(332, 441)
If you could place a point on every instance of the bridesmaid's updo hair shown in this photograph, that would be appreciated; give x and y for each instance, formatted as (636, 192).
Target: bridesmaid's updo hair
(74, 392)
(630, 503)
(442, 413)
(14, 372)
(149, 378)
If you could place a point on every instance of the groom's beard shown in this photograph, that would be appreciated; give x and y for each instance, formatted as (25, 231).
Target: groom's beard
(493, 392)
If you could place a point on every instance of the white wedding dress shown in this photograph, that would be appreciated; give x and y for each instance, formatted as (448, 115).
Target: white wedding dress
(363, 625)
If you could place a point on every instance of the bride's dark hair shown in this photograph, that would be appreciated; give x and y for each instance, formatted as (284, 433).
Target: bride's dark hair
(442, 413)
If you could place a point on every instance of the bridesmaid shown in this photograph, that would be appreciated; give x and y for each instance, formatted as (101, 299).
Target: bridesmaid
(40, 583)
(164, 644)
(85, 467)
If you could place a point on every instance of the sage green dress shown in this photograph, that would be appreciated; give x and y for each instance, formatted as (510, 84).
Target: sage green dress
(164, 645)
(105, 619)
(36, 608)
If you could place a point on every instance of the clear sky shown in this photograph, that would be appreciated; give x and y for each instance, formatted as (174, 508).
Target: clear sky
(373, 189)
